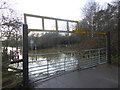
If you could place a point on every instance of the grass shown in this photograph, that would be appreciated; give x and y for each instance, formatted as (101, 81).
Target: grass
(11, 81)
(116, 60)
(9, 78)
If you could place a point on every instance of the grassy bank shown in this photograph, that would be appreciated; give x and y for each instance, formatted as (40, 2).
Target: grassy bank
(11, 79)
(116, 60)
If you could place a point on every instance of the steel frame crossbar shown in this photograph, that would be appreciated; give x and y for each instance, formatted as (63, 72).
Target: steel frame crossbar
(56, 25)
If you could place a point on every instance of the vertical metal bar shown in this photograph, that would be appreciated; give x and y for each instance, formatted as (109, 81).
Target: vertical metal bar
(36, 58)
(56, 24)
(99, 56)
(25, 19)
(64, 62)
(47, 68)
(118, 51)
(108, 47)
(106, 55)
(67, 26)
(90, 54)
(88, 58)
(43, 25)
(1, 65)
(78, 26)
(25, 55)
(78, 62)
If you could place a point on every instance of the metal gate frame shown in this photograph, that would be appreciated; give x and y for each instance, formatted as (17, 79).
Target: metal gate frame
(25, 41)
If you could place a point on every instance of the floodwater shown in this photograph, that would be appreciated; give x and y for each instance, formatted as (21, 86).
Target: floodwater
(42, 65)
(45, 65)
(14, 49)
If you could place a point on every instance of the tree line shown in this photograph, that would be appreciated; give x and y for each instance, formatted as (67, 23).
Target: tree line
(96, 19)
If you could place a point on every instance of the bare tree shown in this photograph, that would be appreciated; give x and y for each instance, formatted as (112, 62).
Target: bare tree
(10, 28)
(89, 12)
(10, 22)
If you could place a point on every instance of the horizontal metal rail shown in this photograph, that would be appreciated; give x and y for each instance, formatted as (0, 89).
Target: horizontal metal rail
(50, 67)
(65, 52)
(45, 17)
(56, 71)
(16, 61)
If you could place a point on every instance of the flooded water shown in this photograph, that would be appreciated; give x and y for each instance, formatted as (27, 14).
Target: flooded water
(44, 64)
(49, 65)
(14, 49)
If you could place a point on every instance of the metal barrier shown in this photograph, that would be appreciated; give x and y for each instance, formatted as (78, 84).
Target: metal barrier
(72, 60)
(45, 66)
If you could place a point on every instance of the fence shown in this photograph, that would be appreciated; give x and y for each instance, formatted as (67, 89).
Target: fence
(82, 59)
(46, 66)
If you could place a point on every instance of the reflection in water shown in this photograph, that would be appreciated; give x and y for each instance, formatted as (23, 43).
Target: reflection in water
(51, 62)
(45, 65)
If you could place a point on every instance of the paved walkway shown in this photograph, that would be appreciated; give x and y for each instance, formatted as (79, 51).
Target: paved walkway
(102, 76)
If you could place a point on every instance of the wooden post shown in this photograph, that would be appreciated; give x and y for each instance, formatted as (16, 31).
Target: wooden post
(25, 55)
(108, 47)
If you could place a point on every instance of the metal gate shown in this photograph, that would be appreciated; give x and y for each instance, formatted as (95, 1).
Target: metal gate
(71, 61)
(47, 67)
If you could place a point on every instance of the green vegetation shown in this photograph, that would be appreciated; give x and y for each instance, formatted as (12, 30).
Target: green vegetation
(116, 60)
(10, 35)
(9, 78)
(98, 19)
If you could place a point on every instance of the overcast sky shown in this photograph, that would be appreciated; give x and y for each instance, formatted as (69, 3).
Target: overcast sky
(66, 9)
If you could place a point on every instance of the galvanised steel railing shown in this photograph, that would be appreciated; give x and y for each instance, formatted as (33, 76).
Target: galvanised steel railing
(45, 66)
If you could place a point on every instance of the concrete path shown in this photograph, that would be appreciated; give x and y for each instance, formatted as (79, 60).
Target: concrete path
(102, 76)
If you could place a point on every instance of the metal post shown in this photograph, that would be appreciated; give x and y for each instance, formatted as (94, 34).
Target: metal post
(56, 22)
(43, 27)
(79, 61)
(99, 51)
(91, 57)
(47, 68)
(67, 26)
(25, 55)
(64, 62)
(1, 65)
(118, 51)
(108, 48)
(78, 26)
